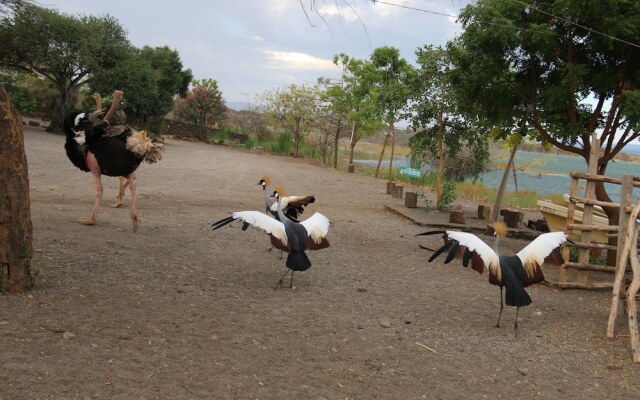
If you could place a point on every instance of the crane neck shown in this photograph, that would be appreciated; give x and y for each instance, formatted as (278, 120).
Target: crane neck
(279, 208)
(495, 245)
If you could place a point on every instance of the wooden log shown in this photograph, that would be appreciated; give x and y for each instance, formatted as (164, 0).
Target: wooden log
(411, 200)
(398, 191)
(571, 207)
(351, 168)
(590, 267)
(585, 228)
(539, 225)
(456, 217)
(513, 219)
(593, 202)
(623, 257)
(578, 285)
(391, 187)
(632, 306)
(484, 212)
(593, 245)
(602, 178)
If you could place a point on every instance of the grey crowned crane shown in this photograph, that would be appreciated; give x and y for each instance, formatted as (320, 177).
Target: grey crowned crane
(292, 206)
(287, 235)
(513, 273)
(92, 147)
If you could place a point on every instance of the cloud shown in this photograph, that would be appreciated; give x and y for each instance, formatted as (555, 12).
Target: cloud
(289, 60)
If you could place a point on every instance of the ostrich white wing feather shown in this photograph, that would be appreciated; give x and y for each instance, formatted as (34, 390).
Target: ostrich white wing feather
(264, 222)
(317, 226)
(536, 251)
(474, 243)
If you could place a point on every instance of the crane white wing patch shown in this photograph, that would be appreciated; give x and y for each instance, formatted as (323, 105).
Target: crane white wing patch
(264, 222)
(317, 226)
(534, 253)
(474, 243)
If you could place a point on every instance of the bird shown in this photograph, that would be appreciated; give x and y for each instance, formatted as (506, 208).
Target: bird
(287, 235)
(292, 206)
(97, 97)
(513, 273)
(93, 146)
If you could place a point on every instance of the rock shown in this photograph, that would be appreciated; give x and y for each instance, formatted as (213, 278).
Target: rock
(384, 322)
(68, 335)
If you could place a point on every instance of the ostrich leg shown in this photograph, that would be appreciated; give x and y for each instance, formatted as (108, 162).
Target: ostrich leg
(120, 198)
(92, 163)
(131, 180)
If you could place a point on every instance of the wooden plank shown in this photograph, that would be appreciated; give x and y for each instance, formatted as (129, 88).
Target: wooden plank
(593, 245)
(577, 285)
(622, 260)
(602, 178)
(590, 267)
(632, 306)
(589, 228)
(593, 202)
(571, 208)
(587, 213)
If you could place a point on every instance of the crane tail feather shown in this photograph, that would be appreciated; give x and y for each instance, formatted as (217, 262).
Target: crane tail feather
(452, 253)
(221, 223)
(431, 233)
(466, 258)
(441, 250)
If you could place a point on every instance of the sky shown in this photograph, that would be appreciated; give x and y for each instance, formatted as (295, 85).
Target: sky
(251, 46)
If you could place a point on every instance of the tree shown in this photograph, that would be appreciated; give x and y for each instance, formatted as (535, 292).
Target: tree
(16, 232)
(63, 49)
(390, 77)
(204, 105)
(358, 100)
(294, 108)
(150, 78)
(563, 80)
(334, 100)
(440, 127)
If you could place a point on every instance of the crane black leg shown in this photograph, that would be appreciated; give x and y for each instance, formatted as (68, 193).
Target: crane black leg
(515, 325)
(282, 278)
(501, 308)
(291, 281)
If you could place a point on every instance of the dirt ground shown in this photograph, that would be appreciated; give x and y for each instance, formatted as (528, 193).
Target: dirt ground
(177, 311)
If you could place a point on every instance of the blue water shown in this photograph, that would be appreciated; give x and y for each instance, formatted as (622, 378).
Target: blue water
(555, 181)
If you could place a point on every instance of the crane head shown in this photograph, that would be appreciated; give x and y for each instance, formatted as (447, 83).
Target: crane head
(279, 192)
(500, 229)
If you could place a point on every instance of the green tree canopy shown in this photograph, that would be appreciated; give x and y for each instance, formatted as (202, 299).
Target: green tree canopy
(64, 49)
(535, 64)
(294, 108)
(150, 78)
(204, 105)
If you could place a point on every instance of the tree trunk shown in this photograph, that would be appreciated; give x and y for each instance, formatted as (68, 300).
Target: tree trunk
(503, 185)
(384, 146)
(16, 232)
(393, 146)
(440, 161)
(335, 147)
(515, 176)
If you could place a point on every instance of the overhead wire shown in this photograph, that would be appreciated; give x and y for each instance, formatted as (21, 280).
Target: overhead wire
(507, 26)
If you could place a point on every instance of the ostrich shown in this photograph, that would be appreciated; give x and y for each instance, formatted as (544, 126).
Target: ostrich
(290, 236)
(90, 147)
(513, 273)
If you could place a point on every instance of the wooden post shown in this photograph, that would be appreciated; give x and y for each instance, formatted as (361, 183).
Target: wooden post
(624, 245)
(484, 212)
(632, 307)
(391, 187)
(571, 208)
(587, 213)
(456, 217)
(398, 191)
(411, 200)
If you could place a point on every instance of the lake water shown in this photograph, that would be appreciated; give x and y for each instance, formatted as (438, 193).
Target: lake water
(555, 180)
